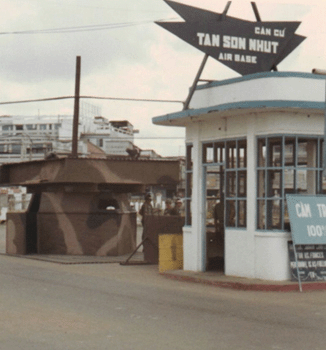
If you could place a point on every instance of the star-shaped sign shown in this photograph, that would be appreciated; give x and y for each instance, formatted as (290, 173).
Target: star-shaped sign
(244, 46)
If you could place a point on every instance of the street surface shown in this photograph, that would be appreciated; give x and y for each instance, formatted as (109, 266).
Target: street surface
(46, 305)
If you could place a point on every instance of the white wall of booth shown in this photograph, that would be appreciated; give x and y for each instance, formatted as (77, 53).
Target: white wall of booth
(263, 135)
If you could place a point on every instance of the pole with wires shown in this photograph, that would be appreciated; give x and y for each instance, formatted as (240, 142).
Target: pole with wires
(74, 152)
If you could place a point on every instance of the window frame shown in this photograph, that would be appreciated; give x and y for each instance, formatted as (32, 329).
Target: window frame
(288, 170)
(233, 168)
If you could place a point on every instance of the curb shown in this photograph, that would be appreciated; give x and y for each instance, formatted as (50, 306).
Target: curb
(293, 287)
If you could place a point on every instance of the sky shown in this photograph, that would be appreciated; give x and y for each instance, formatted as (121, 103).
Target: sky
(128, 57)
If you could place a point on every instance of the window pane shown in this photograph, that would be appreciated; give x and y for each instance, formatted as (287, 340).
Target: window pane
(210, 210)
(231, 155)
(230, 183)
(261, 152)
(212, 184)
(274, 214)
(242, 154)
(288, 180)
(208, 153)
(219, 152)
(242, 214)
(311, 181)
(306, 181)
(287, 225)
(307, 152)
(323, 182)
(230, 213)
(16, 148)
(302, 152)
(48, 147)
(188, 212)
(301, 181)
(289, 151)
(261, 183)
(242, 184)
(274, 183)
(312, 154)
(275, 152)
(189, 185)
(261, 214)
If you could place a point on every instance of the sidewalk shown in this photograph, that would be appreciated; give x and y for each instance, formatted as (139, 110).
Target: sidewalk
(137, 259)
(212, 278)
(218, 279)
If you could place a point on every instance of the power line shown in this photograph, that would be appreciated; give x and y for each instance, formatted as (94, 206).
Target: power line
(65, 4)
(75, 29)
(55, 138)
(159, 138)
(91, 97)
(36, 100)
(131, 99)
(79, 28)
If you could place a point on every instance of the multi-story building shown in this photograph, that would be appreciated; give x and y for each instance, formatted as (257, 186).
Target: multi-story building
(24, 138)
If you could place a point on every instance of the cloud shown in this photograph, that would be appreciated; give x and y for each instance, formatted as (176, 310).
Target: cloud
(43, 57)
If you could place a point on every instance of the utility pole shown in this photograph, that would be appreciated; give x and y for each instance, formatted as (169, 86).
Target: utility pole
(74, 152)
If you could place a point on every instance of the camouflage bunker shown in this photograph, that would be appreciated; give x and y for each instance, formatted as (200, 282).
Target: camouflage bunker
(80, 206)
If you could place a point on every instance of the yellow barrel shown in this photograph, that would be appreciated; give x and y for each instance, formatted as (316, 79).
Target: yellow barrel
(170, 251)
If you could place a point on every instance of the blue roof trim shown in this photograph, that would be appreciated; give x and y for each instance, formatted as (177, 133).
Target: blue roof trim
(240, 105)
(260, 76)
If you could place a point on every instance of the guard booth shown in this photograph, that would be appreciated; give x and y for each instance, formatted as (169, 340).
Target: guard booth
(80, 206)
(250, 141)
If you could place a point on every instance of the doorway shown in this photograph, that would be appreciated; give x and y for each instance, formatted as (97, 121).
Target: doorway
(31, 224)
(214, 215)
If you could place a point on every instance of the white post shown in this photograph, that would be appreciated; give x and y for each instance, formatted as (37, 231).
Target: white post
(323, 72)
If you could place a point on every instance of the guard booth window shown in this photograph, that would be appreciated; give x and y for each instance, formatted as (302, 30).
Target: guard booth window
(286, 164)
(226, 179)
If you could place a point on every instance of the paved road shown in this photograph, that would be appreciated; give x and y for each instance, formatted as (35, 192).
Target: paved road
(107, 306)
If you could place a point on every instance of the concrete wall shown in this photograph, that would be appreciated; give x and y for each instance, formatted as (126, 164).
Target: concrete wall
(277, 86)
(80, 224)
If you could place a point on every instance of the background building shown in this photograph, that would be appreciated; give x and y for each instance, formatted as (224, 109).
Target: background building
(24, 138)
(28, 138)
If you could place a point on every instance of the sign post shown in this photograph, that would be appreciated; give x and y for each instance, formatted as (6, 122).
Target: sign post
(308, 227)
